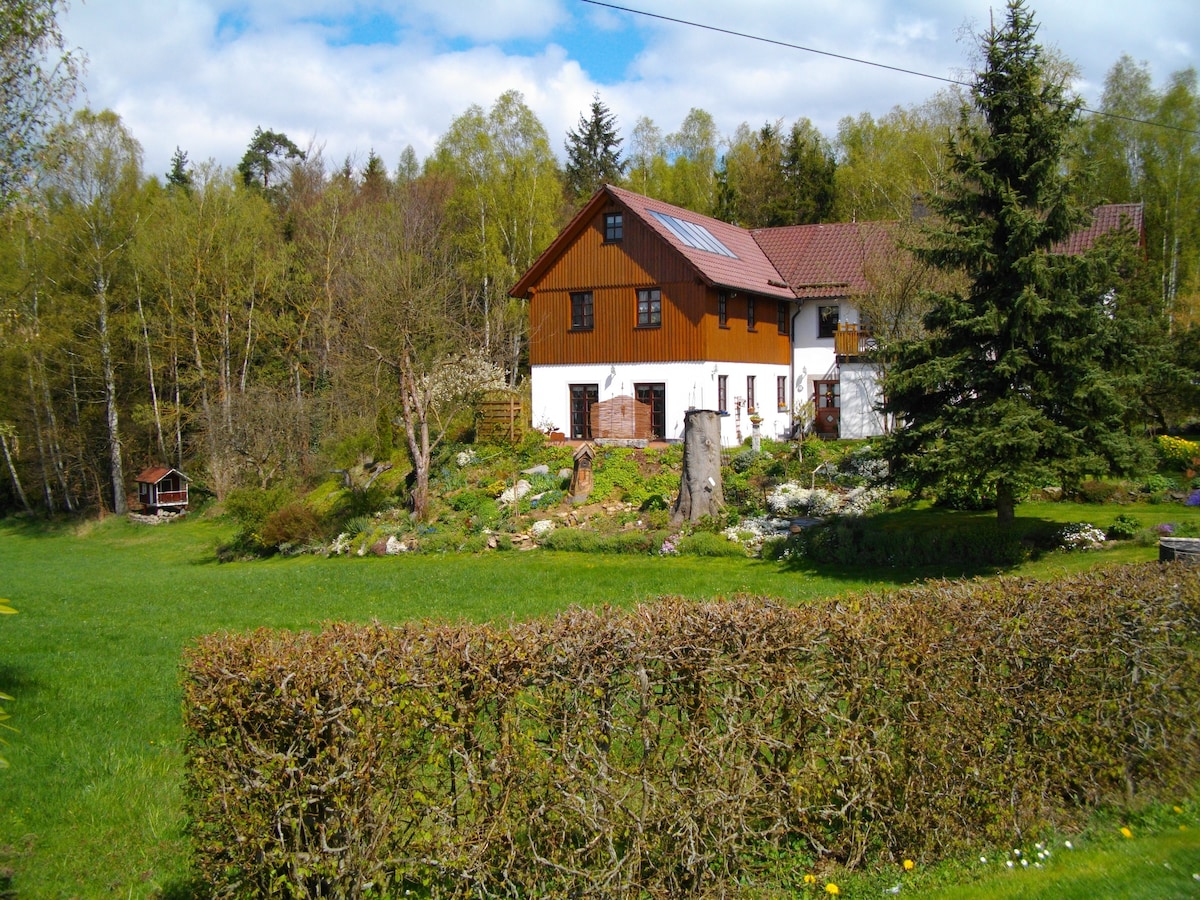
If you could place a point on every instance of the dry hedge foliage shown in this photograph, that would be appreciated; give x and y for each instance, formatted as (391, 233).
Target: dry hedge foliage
(679, 748)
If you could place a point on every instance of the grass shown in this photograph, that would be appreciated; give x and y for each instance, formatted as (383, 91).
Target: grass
(92, 804)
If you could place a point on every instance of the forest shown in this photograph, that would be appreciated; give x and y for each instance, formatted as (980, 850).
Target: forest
(268, 324)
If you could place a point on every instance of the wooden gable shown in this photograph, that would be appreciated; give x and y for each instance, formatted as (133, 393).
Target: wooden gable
(581, 260)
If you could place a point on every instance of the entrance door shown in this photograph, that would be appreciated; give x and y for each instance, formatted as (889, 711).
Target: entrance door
(583, 396)
(827, 400)
(654, 396)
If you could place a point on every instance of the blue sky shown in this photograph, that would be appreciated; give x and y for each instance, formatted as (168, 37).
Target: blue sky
(351, 76)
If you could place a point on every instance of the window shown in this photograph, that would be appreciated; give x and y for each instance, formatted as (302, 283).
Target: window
(723, 309)
(783, 316)
(723, 393)
(750, 320)
(654, 396)
(751, 404)
(614, 227)
(827, 321)
(649, 308)
(582, 311)
(583, 396)
(781, 391)
(826, 394)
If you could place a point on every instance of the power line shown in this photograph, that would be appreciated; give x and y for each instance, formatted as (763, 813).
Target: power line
(862, 62)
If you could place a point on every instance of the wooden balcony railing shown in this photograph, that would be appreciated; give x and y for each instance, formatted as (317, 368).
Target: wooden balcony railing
(166, 498)
(852, 339)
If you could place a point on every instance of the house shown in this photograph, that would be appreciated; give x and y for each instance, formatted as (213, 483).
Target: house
(640, 299)
(162, 488)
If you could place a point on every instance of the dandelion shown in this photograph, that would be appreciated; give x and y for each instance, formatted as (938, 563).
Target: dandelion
(832, 889)
(810, 878)
(1178, 809)
(909, 865)
(1125, 831)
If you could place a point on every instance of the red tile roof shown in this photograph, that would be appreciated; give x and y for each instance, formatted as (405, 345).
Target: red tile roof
(1112, 217)
(795, 261)
(826, 260)
(751, 270)
(155, 474)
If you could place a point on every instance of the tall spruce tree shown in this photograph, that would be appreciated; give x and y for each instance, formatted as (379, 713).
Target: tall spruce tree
(1019, 381)
(593, 152)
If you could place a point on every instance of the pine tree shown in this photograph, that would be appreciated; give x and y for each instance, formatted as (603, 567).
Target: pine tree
(593, 152)
(179, 175)
(1018, 383)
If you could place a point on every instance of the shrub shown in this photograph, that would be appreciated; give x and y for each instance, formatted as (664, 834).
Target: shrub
(1177, 452)
(707, 543)
(294, 526)
(466, 760)
(572, 540)
(1096, 491)
(1123, 527)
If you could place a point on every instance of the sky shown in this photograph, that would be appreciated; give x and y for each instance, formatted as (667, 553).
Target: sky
(347, 77)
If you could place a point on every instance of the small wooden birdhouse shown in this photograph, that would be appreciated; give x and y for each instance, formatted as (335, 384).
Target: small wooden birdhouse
(582, 474)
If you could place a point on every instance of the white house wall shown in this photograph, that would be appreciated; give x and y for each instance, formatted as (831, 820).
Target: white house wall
(860, 393)
(688, 385)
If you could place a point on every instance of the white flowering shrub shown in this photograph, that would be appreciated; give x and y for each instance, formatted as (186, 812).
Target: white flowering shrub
(861, 500)
(788, 499)
(823, 503)
(1081, 536)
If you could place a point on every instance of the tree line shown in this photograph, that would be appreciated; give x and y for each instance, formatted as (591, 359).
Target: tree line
(264, 324)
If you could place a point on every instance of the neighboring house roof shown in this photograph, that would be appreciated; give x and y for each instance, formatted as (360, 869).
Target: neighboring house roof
(155, 474)
(1111, 217)
(826, 261)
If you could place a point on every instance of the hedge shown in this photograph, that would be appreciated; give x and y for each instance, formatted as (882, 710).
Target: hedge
(682, 748)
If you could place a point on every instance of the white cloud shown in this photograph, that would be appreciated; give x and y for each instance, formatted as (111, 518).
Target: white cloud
(202, 74)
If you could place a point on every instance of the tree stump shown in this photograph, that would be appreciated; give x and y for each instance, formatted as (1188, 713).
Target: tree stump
(700, 491)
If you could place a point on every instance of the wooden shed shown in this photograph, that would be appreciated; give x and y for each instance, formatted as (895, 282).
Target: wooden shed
(162, 488)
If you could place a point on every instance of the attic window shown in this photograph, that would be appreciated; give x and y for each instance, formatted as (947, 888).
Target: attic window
(693, 235)
(614, 227)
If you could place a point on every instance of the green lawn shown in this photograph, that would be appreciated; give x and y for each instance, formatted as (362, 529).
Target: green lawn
(91, 806)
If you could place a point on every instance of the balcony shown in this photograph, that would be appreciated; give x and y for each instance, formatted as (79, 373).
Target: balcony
(852, 339)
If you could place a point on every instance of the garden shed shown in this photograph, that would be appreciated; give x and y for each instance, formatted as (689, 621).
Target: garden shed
(162, 488)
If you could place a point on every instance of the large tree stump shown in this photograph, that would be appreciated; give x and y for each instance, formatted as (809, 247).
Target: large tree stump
(700, 491)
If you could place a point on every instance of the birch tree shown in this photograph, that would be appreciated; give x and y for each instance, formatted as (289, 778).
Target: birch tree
(93, 182)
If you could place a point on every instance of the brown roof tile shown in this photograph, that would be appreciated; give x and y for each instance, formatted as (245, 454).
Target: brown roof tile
(1112, 217)
(751, 270)
(825, 260)
(155, 474)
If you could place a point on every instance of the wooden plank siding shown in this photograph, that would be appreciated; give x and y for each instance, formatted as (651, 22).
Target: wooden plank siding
(614, 272)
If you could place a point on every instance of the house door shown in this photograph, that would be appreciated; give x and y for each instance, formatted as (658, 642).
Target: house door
(583, 396)
(827, 401)
(654, 396)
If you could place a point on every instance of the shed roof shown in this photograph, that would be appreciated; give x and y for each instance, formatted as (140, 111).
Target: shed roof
(155, 474)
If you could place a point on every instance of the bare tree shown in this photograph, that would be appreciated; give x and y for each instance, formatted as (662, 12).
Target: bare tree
(411, 324)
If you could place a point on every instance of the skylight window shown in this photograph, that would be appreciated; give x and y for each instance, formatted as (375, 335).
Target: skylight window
(696, 236)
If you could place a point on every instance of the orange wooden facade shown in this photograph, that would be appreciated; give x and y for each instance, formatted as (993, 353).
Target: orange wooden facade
(613, 272)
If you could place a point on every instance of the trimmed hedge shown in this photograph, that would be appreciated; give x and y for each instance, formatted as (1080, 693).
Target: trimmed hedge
(677, 749)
